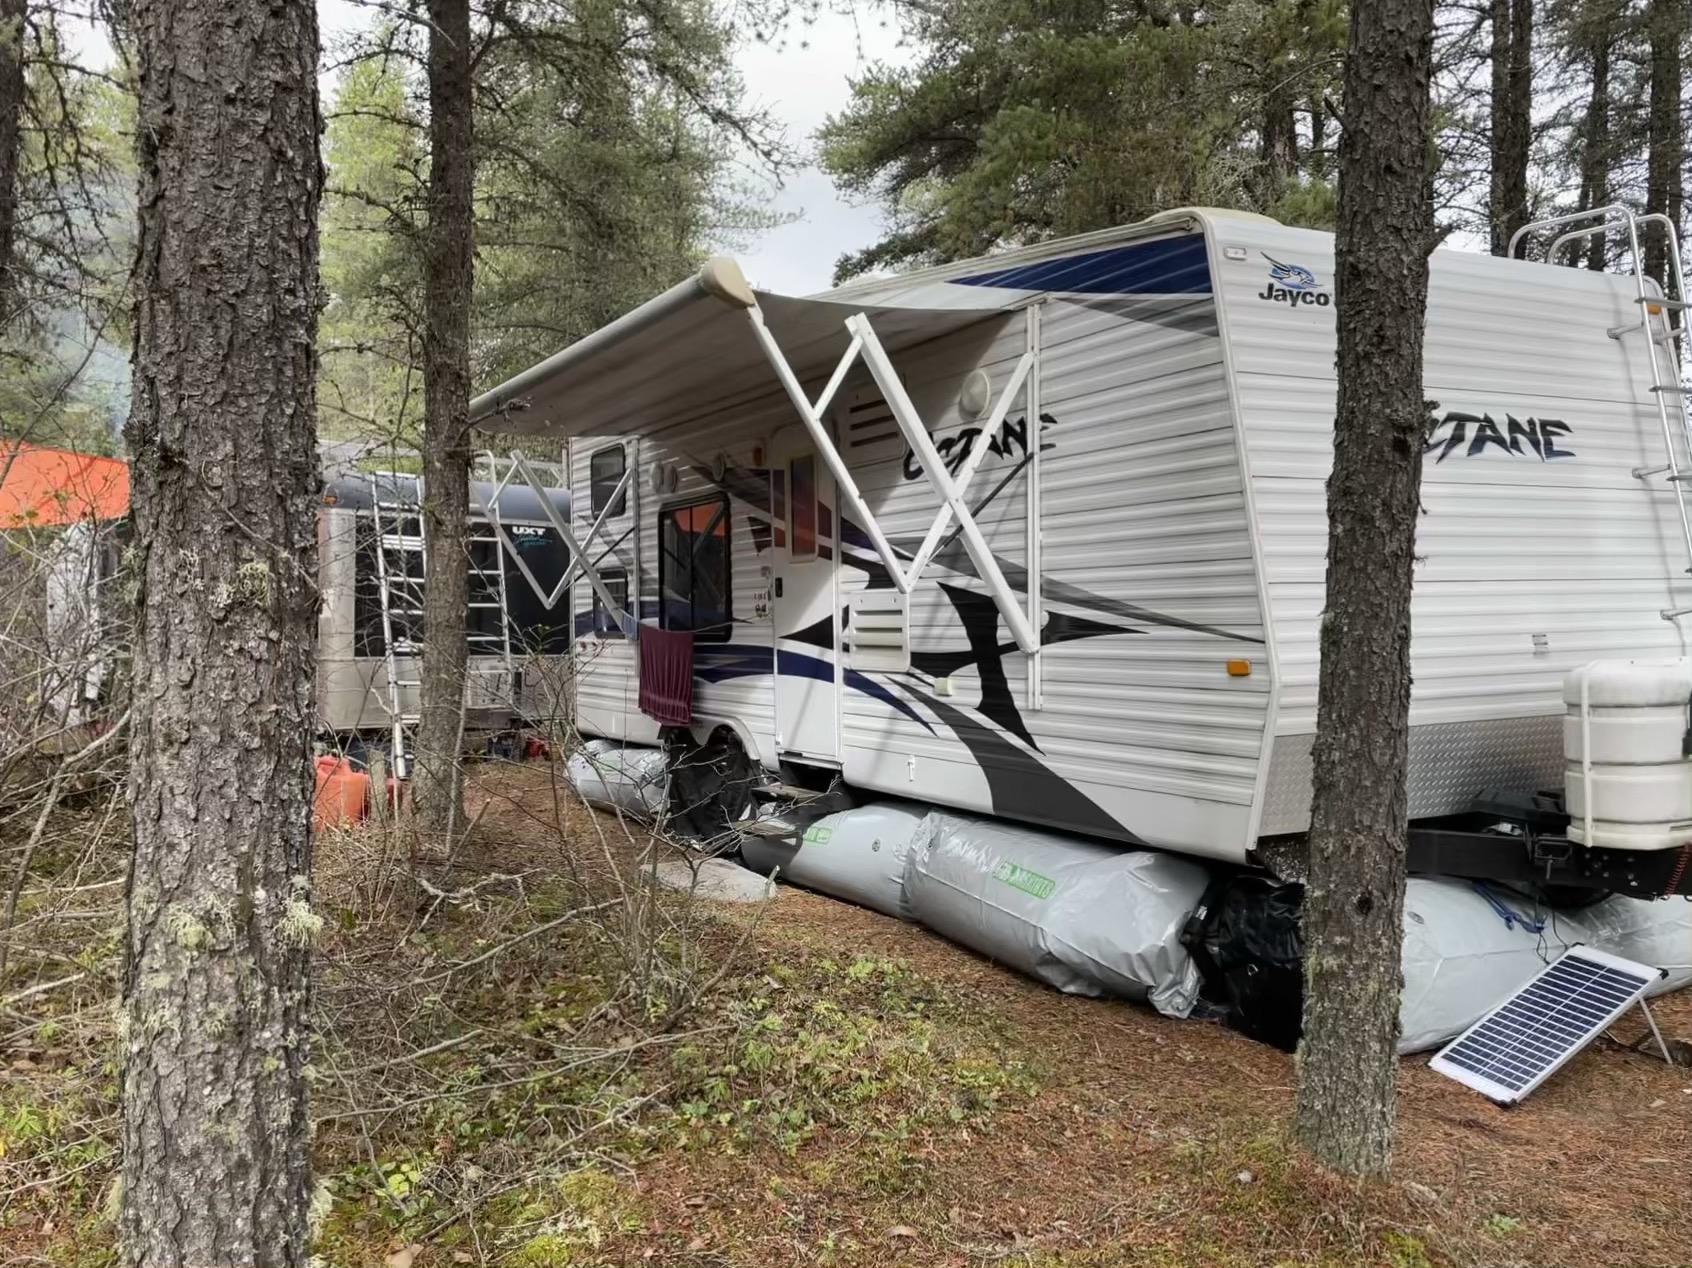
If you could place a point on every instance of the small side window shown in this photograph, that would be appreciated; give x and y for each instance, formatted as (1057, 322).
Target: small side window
(605, 623)
(605, 473)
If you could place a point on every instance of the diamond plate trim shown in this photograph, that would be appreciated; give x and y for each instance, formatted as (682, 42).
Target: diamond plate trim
(1450, 762)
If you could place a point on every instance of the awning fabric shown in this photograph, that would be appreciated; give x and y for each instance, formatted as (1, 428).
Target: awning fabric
(688, 349)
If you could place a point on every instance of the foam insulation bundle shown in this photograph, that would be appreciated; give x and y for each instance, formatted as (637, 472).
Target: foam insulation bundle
(858, 855)
(633, 780)
(1084, 918)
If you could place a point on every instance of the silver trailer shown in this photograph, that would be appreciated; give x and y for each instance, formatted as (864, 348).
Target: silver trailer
(373, 563)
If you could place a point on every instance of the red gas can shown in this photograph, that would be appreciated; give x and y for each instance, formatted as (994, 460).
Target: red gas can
(342, 793)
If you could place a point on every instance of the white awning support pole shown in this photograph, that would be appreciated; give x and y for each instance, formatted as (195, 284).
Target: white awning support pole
(811, 415)
(922, 445)
(984, 441)
(580, 563)
(578, 555)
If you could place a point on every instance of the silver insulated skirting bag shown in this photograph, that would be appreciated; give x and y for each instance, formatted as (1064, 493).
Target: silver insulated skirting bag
(858, 855)
(633, 780)
(1084, 918)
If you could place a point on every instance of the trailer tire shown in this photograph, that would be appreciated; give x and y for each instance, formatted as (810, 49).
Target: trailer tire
(710, 787)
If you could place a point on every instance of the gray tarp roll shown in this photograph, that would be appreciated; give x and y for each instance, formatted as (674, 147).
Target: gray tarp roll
(634, 780)
(1084, 918)
(858, 855)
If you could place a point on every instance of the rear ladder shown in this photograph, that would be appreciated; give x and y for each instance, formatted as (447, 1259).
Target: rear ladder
(1662, 343)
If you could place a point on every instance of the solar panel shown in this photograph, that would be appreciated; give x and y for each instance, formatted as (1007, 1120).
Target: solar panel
(1531, 1035)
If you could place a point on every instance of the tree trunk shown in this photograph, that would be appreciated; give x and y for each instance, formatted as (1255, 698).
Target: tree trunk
(1355, 896)
(1512, 117)
(1277, 147)
(1595, 143)
(449, 256)
(12, 88)
(1666, 155)
(216, 1138)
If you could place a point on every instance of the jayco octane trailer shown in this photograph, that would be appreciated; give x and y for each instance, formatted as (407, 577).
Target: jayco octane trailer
(1043, 535)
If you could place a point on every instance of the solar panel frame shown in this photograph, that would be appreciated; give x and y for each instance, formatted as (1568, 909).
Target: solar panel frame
(1541, 1026)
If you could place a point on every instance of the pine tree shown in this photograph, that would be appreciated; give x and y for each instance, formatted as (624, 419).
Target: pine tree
(1354, 900)
(216, 1134)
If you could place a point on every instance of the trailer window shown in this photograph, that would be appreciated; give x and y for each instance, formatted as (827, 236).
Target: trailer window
(802, 508)
(693, 569)
(601, 622)
(605, 473)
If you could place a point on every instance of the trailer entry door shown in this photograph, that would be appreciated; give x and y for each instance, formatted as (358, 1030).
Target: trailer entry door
(805, 602)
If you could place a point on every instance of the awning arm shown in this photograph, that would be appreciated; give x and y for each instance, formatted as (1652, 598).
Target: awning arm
(811, 415)
(578, 554)
(989, 434)
(934, 467)
(867, 345)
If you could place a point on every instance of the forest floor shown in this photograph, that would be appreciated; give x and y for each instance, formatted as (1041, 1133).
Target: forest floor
(534, 1065)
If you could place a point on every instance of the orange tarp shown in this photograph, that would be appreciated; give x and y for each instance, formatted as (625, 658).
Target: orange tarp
(40, 485)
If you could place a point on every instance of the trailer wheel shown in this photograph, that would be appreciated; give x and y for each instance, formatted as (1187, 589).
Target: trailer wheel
(710, 787)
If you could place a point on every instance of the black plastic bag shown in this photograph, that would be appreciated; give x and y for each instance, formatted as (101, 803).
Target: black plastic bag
(1247, 938)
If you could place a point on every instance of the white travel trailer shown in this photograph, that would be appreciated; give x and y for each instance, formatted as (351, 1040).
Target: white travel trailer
(1043, 535)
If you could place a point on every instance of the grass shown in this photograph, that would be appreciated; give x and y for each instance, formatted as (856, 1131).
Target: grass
(814, 1084)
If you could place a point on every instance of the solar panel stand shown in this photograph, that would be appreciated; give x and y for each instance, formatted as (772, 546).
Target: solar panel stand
(1638, 1045)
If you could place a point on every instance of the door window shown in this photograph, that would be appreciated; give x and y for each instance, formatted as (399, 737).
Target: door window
(802, 507)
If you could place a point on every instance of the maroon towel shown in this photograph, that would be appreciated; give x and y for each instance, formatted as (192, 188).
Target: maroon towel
(666, 675)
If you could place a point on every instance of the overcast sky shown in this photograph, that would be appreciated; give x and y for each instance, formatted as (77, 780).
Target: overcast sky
(800, 80)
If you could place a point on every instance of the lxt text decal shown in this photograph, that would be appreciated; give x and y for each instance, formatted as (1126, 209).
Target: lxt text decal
(1536, 436)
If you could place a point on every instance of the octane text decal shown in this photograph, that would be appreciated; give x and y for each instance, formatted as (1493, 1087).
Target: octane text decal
(954, 450)
(1479, 432)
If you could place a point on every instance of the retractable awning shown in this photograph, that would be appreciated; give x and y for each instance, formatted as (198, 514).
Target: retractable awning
(713, 340)
(690, 347)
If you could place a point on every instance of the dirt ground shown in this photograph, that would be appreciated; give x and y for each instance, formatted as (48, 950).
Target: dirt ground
(799, 1082)
(1151, 1141)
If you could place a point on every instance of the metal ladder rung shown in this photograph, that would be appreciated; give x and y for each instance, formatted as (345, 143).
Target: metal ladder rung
(1668, 305)
(1673, 389)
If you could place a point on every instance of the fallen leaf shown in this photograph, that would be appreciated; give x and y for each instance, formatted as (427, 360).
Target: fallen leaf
(696, 1245)
(904, 1231)
(1245, 1177)
(463, 1257)
(694, 1201)
(402, 1257)
(1658, 1103)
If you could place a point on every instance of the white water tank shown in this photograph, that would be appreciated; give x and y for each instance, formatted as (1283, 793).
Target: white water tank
(1628, 781)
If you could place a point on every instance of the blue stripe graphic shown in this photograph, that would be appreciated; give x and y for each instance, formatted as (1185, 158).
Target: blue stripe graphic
(1169, 266)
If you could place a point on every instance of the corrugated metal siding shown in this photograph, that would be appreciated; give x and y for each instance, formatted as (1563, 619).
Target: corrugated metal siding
(1528, 566)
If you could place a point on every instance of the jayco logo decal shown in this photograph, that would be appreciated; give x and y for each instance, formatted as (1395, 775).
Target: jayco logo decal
(1479, 432)
(1293, 284)
(954, 450)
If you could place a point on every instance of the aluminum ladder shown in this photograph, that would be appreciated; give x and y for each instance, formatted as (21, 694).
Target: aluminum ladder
(402, 569)
(493, 580)
(1661, 336)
